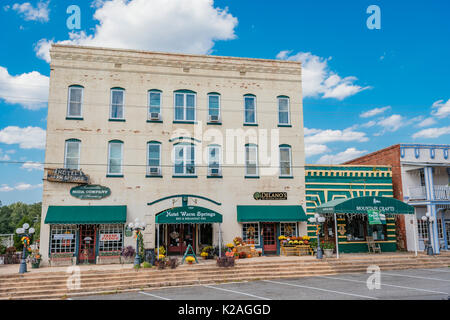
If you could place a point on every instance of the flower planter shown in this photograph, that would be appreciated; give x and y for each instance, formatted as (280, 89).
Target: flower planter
(36, 264)
(328, 252)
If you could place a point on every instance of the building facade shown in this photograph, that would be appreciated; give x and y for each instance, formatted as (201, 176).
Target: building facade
(197, 147)
(422, 180)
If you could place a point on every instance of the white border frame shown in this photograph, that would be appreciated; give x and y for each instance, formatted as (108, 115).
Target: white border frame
(290, 161)
(185, 106)
(220, 106)
(245, 159)
(68, 101)
(256, 108)
(65, 152)
(184, 160)
(288, 110)
(160, 104)
(121, 155)
(148, 156)
(110, 104)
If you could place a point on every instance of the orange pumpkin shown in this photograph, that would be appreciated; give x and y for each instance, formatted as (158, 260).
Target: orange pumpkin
(249, 255)
(234, 250)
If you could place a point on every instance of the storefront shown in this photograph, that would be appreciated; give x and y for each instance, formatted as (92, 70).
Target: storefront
(263, 224)
(361, 220)
(85, 233)
(179, 227)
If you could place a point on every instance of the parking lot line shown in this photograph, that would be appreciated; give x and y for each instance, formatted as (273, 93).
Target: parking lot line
(384, 284)
(436, 270)
(239, 292)
(417, 277)
(321, 289)
(153, 295)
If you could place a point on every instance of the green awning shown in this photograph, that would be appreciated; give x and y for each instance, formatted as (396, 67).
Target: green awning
(270, 213)
(362, 205)
(86, 214)
(188, 214)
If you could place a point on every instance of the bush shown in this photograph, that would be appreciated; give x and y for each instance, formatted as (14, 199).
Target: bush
(173, 263)
(225, 262)
(161, 264)
(2, 249)
(128, 252)
(216, 251)
(146, 265)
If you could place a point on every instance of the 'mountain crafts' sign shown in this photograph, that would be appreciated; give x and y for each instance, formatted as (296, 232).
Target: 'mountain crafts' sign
(270, 195)
(189, 214)
(90, 192)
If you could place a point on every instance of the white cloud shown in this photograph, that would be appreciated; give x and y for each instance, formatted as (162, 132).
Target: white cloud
(30, 13)
(4, 156)
(30, 166)
(442, 110)
(328, 135)
(19, 187)
(158, 25)
(369, 124)
(392, 123)
(28, 89)
(348, 154)
(432, 132)
(318, 80)
(427, 122)
(315, 149)
(374, 112)
(27, 138)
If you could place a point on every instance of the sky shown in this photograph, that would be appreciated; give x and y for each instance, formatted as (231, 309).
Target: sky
(364, 88)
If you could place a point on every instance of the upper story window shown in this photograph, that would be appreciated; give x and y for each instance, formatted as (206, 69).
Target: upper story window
(154, 158)
(154, 104)
(249, 109)
(115, 157)
(251, 160)
(214, 161)
(283, 110)
(185, 102)
(117, 104)
(184, 159)
(75, 102)
(72, 154)
(214, 107)
(285, 161)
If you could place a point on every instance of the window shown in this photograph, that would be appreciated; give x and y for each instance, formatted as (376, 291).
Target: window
(285, 161)
(288, 229)
(249, 109)
(72, 154)
(154, 158)
(356, 227)
(184, 159)
(439, 227)
(377, 231)
(250, 233)
(154, 103)
(62, 238)
(112, 236)
(283, 110)
(115, 157)
(117, 104)
(185, 106)
(422, 229)
(251, 160)
(75, 102)
(213, 107)
(214, 161)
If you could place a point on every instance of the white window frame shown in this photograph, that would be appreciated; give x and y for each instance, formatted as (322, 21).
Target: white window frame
(81, 102)
(184, 106)
(185, 158)
(290, 161)
(111, 104)
(160, 102)
(282, 227)
(109, 159)
(422, 229)
(257, 231)
(56, 246)
(245, 110)
(219, 157)
(247, 162)
(148, 156)
(288, 110)
(65, 153)
(219, 108)
(110, 246)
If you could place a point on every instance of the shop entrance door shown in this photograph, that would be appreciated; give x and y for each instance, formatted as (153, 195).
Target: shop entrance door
(86, 250)
(179, 237)
(269, 237)
(447, 231)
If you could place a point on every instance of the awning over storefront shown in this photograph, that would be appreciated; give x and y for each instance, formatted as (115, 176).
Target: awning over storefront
(188, 214)
(363, 205)
(270, 214)
(86, 214)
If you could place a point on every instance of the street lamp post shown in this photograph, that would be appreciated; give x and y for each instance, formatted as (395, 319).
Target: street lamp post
(319, 220)
(23, 232)
(137, 226)
(429, 220)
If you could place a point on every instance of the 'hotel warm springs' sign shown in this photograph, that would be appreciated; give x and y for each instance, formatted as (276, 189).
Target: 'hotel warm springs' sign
(189, 214)
(90, 192)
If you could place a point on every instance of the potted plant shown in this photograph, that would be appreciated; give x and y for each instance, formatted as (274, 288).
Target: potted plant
(190, 259)
(127, 254)
(328, 248)
(35, 259)
(204, 254)
(313, 244)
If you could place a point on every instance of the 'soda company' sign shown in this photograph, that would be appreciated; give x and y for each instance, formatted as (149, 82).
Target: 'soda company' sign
(90, 192)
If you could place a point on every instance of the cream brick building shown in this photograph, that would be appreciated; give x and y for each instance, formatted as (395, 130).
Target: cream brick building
(121, 117)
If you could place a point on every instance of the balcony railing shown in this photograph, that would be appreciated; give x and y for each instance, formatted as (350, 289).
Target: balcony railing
(420, 193)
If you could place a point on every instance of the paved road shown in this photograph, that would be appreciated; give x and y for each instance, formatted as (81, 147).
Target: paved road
(428, 284)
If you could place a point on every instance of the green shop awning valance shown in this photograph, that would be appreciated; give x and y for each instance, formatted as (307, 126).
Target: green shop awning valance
(86, 214)
(362, 205)
(270, 214)
(188, 214)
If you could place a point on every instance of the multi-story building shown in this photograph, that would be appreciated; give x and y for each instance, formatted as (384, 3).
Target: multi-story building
(421, 178)
(194, 146)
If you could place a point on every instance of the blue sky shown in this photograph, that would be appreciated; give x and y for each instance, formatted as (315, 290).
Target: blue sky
(363, 89)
